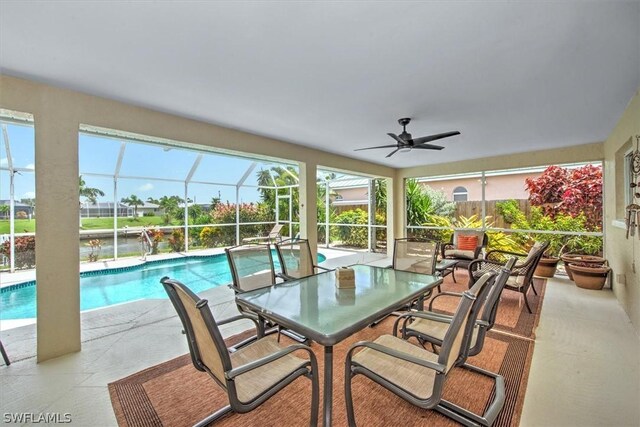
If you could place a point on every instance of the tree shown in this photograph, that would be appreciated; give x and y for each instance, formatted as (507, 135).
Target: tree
(89, 193)
(134, 201)
(152, 200)
(171, 206)
(569, 191)
(4, 210)
(424, 202)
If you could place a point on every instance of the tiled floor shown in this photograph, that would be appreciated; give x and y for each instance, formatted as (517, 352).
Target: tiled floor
(585, 369)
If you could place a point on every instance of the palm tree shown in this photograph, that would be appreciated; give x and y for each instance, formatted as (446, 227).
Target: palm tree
(89, 193)
(134, 201)
(4, 210)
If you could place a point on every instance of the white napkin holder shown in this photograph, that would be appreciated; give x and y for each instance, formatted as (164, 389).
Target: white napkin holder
(345, 278)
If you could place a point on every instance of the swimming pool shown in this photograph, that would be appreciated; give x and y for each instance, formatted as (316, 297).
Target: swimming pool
(115, 286)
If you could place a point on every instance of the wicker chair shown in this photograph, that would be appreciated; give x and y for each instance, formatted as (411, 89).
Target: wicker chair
(296, 259)
(464, 257)
(250, 375)
(522, 273)
(413, 373)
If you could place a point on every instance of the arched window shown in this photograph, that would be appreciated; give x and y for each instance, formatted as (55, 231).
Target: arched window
(460, 194)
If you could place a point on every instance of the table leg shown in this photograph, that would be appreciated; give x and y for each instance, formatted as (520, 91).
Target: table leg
(328, 385)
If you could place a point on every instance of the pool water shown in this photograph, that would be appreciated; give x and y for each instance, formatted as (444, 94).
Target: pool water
(136, 283)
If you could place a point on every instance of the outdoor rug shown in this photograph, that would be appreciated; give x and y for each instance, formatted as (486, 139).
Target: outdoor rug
(175, 394)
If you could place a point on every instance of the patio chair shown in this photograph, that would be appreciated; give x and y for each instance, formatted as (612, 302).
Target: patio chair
(296, 259)
(252, 268)
(429, 326)
(5, 356)
(250, 375)
(416, 255)
(464, 247)
(522, 273)
(415, 374)
(272, 237)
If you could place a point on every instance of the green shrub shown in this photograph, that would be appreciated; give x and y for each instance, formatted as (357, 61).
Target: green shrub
(176, 240)
(356, 236)
(149, 213)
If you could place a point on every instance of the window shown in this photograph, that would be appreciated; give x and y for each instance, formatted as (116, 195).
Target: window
(460, 194)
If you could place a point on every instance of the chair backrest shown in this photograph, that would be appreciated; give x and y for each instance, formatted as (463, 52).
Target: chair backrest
(493, 298)
(206, 345)
(251, 267)
(415, 255)
(295, 258)
(454, 338)
(275, 231)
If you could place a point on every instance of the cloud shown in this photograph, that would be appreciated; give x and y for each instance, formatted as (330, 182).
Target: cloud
(29, 195)
(30, 166)
(4, 162)
(146, 187)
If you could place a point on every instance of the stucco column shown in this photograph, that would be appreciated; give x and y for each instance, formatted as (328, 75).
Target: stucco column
(397, 209)
(57, 255)
(309, 204)
(391, 217)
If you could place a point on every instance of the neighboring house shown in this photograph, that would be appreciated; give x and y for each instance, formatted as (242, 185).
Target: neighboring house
(500, 186)
(27, 210)
(104, 210)
(148, 208)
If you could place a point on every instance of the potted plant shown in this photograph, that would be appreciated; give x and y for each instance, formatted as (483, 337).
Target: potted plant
(590, 276)
(585, 250)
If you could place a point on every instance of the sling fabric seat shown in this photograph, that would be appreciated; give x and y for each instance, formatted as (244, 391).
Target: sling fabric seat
(296, 259)
(412, 372)
(250, 375)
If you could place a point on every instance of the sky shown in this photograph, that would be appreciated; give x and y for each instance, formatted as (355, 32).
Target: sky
(99, 155)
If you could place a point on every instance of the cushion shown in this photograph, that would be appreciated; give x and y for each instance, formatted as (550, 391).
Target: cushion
(459, 233)
(467, 243)
(457, 253)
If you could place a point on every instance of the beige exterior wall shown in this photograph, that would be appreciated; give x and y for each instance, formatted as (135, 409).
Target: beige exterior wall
(58, 113)
(623, 254)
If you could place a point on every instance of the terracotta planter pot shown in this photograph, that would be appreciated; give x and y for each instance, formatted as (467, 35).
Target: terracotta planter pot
(569, 258)
(547, 267)
(590, 277)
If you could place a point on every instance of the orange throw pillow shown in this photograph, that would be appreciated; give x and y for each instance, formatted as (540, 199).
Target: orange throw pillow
(467, 243)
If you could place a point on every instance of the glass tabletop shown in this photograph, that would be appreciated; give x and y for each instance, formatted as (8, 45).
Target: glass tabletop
(316, 308)
(446, 263)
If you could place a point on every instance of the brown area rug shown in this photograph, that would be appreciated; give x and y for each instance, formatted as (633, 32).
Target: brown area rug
(175, 394)
(512, 316)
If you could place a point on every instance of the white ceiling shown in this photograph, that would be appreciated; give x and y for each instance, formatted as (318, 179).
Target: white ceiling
(511, 76)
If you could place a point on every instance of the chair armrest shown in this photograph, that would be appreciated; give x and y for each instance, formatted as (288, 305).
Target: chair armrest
(285, 277)
(446, 246)
(418, 314)
(449, 294)
(397, 354)
(243, 369)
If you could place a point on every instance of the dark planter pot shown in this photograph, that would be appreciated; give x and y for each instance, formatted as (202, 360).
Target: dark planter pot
(573, 258)
(547, 267)
(590, 277)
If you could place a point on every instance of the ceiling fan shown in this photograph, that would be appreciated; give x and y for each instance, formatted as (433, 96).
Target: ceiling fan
(405, 141)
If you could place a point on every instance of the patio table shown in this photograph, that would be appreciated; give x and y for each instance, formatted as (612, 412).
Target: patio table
(314, 307)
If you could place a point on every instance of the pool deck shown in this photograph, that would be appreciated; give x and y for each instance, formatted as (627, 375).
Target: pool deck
(20, 335)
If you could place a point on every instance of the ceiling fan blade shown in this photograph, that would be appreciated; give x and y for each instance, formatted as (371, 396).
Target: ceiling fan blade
(373, 148)
(397, 138)
(428, 147)
(434, 137)
(393, 152)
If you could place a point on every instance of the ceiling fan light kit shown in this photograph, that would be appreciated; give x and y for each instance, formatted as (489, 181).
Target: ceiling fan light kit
(406, 143)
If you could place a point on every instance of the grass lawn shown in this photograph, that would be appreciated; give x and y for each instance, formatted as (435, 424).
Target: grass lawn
(29, 226)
